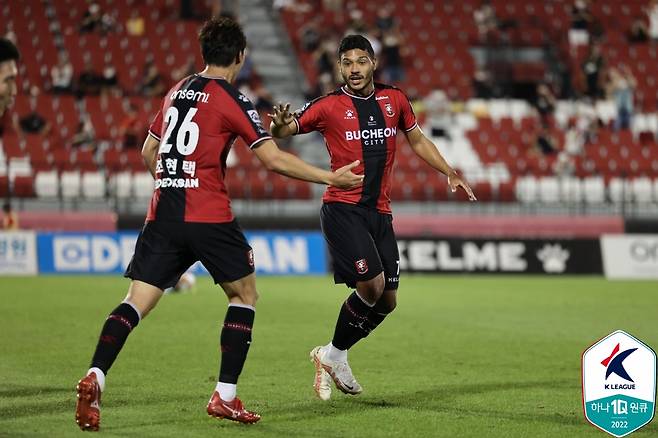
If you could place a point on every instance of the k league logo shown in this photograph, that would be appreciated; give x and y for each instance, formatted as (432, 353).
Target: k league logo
(619, 384)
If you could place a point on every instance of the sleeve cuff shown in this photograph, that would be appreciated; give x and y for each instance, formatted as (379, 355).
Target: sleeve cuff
(153, 135)
(412, 127)
(258, 142)
(297, 125)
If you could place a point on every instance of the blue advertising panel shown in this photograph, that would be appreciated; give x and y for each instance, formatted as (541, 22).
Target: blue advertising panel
(276, 253)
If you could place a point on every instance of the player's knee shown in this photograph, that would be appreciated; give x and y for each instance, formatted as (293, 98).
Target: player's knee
(248, 295)
(371, 290)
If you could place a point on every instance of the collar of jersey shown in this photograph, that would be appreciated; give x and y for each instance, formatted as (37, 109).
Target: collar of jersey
(210, 77)
(344, 90)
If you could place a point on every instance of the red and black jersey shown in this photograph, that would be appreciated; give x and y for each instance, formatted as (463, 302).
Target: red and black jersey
(360, 128)
(198, 122)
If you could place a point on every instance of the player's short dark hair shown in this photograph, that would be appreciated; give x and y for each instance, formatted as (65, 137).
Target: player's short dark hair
(221, 40)
(8, 50)
(351, 42)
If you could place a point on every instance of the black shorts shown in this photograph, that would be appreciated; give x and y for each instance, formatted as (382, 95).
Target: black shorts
(361, 243)
(165, 250)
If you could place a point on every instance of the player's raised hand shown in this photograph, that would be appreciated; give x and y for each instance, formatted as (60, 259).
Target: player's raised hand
(454, 181)
(281, 116)
(345, 179)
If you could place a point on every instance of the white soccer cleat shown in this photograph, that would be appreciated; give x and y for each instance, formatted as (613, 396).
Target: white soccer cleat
(340, 372)
(322, 382)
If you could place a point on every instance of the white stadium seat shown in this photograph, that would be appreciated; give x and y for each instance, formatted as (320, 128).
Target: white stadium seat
(526, 189)
(594, 190)
(549, 189)
(93, 185)
(571, 190)
(642, 189)
(143, 184)
(46, 184)
(121, 185)
(619, 190)
(70, 182)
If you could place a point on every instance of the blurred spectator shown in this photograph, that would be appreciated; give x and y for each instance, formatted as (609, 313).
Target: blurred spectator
(620, 88)
(185, 70)
(85, 135)
(309, 34)
(574, 139)
(545, 142)
(439, 118)
(89, 82)
(92, 18)
(638, 32)
(544, 104)
(482, 83)
(592, 68)
(392, 70)
(61, 75)
(152, 84)
(385, 19)
(110, 80)
(130, 128)
(581, 18)
(325, 57)
(9, 217)
(652, 13)
(357, 24)
(564, 165)
(261, 99)
(33, 122)
(485, 19)
(135, 24)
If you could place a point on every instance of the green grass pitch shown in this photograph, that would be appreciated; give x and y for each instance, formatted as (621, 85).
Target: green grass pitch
(461, 356)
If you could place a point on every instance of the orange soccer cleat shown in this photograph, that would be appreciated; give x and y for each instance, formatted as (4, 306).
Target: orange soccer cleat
(88, 408)
(233, 410)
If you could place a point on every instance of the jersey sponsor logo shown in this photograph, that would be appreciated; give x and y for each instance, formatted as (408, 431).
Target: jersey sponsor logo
(349, 115)
(186, 94)
(372, 121)
(253, 115)
(177, 183)
(381, 97)
(389, 110)
(372, 137)
(361, 266)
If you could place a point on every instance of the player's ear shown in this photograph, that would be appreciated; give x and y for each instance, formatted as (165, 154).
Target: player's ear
(239, 59)
(374, 63)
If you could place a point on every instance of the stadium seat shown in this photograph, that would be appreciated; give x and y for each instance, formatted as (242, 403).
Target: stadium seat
(93, 185)
(143, 185)
(594, 190)
(549, 189)
(619, 190)
(70, 183)
(24, 187)
(642, 189)
(526, 189)
(121, 185)
(571, 190)
(46, 184)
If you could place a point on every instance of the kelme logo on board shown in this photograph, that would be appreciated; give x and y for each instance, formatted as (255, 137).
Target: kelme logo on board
(619, 384)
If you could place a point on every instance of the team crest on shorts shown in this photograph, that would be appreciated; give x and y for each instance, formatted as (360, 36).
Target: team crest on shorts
(619, 384)
(361, 266)
(389, 110)
(250, 257)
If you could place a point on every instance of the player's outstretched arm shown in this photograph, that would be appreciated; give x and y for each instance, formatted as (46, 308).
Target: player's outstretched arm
(283, 122)
(425, 149)
(150, 153)
(289, 165)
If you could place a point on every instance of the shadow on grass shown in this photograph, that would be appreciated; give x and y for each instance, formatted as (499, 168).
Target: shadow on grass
(437, 399)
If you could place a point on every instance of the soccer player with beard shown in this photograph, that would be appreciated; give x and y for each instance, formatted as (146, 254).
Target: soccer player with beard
(190, 217)
(360, 121)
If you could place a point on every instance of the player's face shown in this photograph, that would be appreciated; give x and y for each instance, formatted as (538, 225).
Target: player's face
(8, 73)
(357, 69)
